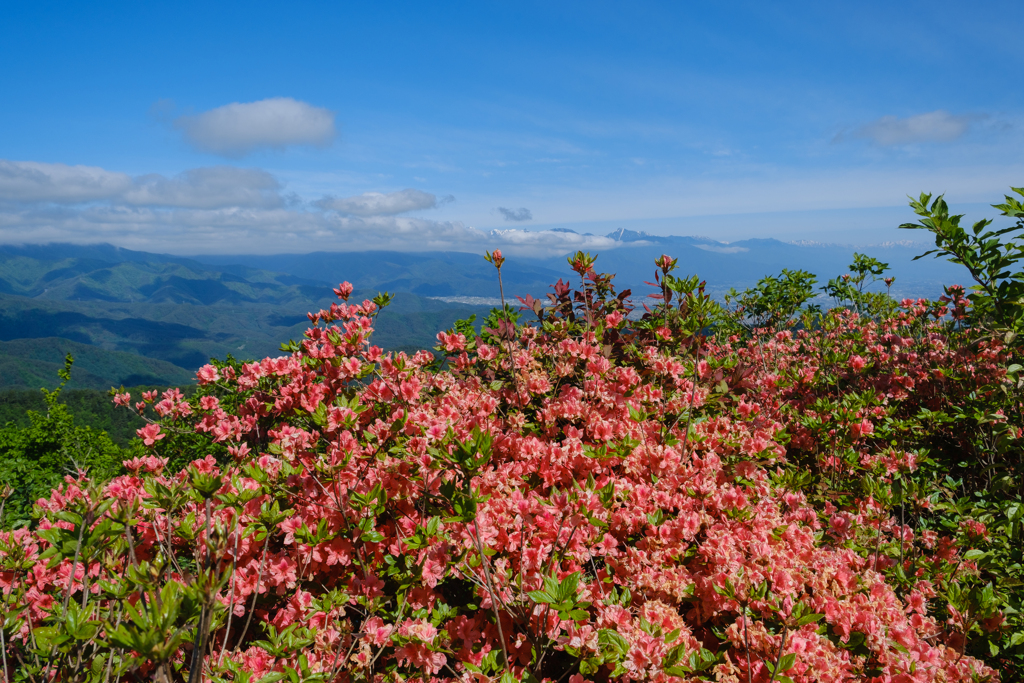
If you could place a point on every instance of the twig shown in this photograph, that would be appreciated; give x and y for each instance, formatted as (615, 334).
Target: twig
(490, 589)
(746, 640)
(71, 582)
(231, 600)
(693, 396)
(206, 614)
(778, 660)
(255, 593)
(3, 643)
(110, 660)
(3, 617)
(74, 569)
(510, 329)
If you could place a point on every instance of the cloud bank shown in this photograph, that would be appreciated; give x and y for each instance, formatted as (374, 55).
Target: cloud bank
(30, 181)
(207, 188)
(379, 204)
(936, 126)
(237, 129)
(235, 210)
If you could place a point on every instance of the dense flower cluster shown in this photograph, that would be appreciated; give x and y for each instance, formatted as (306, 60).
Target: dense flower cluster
(582, 499)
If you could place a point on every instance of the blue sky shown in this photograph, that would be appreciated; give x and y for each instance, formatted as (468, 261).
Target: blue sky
(262, 127)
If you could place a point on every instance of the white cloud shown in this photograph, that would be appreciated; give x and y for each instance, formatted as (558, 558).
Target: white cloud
(517, 215)
(935, 126)
(207, 188)
(211, 209)
(173, 222)
(30, 181)
(237, 129)
(721, 249)
(551, 241)
(232, 230)
(378, 204)
(233, 210)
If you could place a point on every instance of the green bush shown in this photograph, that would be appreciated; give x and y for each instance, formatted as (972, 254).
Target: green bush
(35, 458)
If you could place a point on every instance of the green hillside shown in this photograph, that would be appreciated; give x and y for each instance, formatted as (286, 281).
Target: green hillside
(33, 363)
(69, 273)
(90, 407)
(136, 318)
(188, 335)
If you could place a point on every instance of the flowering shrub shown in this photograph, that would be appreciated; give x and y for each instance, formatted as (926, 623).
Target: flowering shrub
(587, 497)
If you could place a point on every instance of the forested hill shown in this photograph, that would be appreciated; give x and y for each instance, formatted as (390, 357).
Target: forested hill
(131, 317)
(64, 272)
(34, 363)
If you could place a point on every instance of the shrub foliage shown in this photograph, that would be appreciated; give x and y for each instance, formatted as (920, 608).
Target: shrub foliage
(764, 493)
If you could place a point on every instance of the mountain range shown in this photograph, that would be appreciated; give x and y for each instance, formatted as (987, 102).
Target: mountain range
(631, 257)
(167, 315)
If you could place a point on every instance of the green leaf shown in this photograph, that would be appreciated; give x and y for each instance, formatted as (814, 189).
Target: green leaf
(609, 640)
(674, 655)
(567, 588)
(272, 677)
(542, 597)
(809, 619)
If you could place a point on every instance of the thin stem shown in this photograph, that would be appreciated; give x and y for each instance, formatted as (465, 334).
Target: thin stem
(903, 521)
(3, 643)
(746, 640)
(778, 660)
(86, 519)
(352, 646)
(255, 593)
(693, 397)
(878, 538)
(3, 617)
(85, 583)
(510, 329)
(490, 589)
(231, 600)
(74, 569)
(522, 546)
(196, 670)
(110, 659)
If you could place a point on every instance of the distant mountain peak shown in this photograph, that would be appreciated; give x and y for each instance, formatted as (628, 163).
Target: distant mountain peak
(501, 232)
(624, 235)
(627, 236)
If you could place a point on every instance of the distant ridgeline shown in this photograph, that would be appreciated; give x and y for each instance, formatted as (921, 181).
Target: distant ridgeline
(736, 264)
(131, 317)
